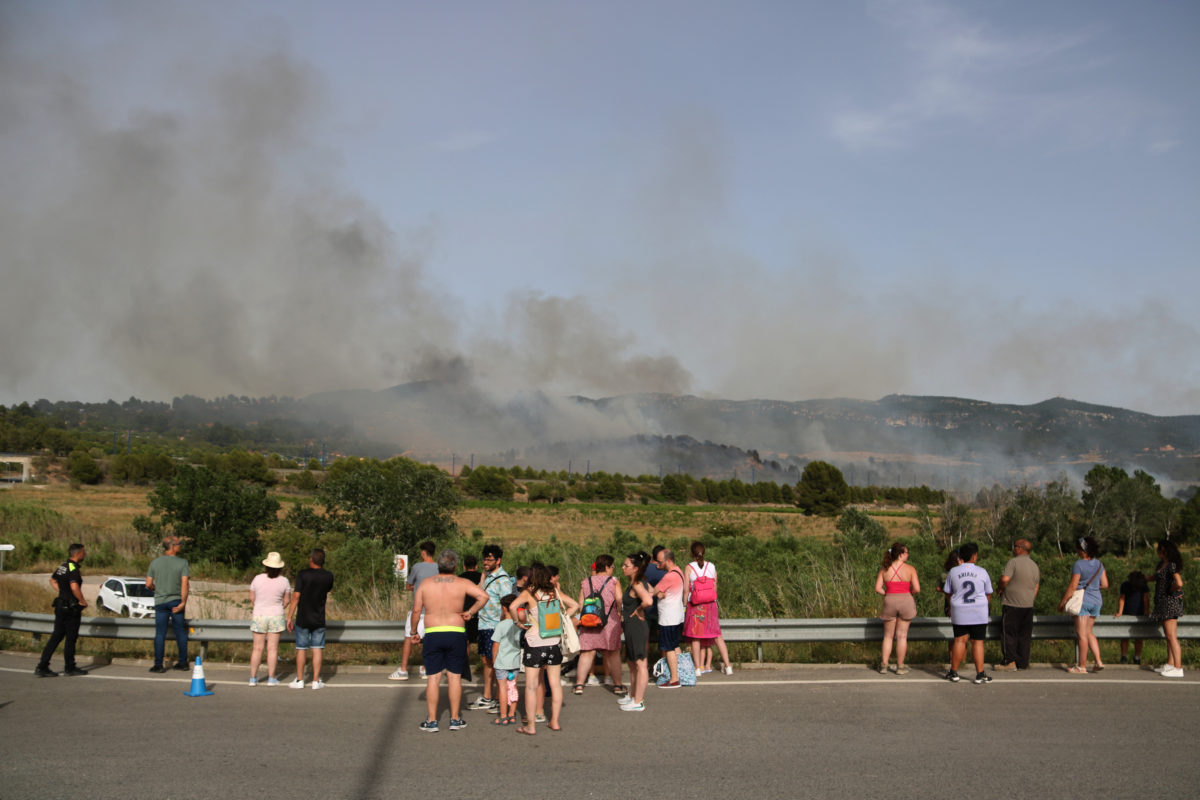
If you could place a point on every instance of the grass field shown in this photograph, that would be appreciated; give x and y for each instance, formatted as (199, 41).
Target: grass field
(108, 512)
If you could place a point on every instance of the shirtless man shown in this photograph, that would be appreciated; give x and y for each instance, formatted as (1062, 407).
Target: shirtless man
(441, 598)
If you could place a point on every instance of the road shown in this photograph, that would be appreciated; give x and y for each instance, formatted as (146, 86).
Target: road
(768, 733)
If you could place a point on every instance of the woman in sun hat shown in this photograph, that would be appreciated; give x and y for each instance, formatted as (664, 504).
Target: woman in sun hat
(269, 595)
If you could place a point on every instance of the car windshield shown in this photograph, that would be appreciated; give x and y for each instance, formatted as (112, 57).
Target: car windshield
(139, 590)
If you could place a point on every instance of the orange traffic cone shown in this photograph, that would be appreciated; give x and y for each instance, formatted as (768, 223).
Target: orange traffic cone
(199, 687)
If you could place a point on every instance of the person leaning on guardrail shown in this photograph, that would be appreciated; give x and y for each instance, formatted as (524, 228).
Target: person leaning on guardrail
(68, 612)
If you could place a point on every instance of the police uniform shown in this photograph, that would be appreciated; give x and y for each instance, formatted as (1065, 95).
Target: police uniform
(67, 615)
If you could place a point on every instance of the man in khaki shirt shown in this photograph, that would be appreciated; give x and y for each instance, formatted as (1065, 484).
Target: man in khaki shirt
(1018, 587)
(441, 598)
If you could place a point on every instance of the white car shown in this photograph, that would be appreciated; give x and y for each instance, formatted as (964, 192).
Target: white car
(127, 597)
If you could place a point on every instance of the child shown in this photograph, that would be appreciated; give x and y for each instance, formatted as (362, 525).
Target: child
(506, 656)
(970, 588)
(1133, 602)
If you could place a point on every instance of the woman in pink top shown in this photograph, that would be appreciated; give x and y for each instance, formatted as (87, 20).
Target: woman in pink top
(897, 582)
(269, 594)
(701, 621)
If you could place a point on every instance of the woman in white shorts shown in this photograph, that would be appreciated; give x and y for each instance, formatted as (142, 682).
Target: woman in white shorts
(270, 593)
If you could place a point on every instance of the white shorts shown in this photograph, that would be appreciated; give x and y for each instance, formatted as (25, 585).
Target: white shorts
(420, 625)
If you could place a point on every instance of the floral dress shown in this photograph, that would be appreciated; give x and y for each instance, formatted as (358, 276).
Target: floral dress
(608, 637)
(701, 620)
(1168, 601)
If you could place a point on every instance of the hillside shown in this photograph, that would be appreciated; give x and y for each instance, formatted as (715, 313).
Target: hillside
(944, 442)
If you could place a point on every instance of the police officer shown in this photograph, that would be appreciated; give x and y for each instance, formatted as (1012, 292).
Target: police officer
(68, 611)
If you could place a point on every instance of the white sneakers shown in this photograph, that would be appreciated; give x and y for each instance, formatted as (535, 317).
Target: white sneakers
(399, 675)
(296, 684)
(593, 680)
(728, 670)
(318, 684)
(1171, 672)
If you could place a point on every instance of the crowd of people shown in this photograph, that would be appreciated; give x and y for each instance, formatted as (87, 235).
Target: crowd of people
(968, 589)
(527, 623)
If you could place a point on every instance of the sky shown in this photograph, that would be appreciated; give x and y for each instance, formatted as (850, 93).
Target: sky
(781, 200)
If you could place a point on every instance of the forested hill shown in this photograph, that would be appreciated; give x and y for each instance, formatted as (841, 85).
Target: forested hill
(943, 426)
(896, 440)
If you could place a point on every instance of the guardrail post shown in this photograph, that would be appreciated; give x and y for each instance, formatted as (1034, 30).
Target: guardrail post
(204, 650)
(758, 647)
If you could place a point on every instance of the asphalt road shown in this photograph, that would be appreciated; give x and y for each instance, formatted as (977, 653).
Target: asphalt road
(766, 733)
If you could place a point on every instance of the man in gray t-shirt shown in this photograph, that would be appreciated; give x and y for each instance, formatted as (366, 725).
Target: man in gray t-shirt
(1018, 587)
(425, 568)
(168, 577)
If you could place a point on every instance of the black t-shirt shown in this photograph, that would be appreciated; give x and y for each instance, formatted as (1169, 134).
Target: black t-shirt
(313, 586)
(68, 573)
(1135, 601)
(474, 576)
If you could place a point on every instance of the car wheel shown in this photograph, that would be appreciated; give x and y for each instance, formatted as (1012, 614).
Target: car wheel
(99, 603)
(126, 611)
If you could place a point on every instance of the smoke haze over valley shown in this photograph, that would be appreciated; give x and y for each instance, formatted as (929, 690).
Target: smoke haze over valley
(211, 204)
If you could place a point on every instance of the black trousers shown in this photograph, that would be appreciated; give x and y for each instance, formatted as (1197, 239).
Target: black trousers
(66, 626)
(1016, 626)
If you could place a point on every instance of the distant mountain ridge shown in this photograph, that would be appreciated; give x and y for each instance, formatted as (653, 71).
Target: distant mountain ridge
(899, 440)
(909, 439)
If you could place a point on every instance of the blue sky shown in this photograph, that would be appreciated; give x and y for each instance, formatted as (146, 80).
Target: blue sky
(786, 200)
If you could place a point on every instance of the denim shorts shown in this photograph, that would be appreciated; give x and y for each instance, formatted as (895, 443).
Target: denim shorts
(1090, 610)
(310, 638)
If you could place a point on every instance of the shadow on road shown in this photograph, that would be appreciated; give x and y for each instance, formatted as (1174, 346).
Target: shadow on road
(377, 756)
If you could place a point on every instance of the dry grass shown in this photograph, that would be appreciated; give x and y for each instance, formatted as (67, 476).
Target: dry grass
(111, 509)
(20, 594)
(578, 524)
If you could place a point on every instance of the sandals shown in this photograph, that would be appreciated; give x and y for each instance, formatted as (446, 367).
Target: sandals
(526, 731)
(509, 720)
(1077, 670)
(578, 688)
(619, 689)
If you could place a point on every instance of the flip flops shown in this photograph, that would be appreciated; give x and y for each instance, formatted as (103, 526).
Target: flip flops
(526, 731)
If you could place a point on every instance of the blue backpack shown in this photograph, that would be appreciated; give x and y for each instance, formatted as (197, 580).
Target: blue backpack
(549, 618)
(687, 670)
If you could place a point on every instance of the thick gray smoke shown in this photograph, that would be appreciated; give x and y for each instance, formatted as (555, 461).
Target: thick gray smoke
(201, 245)
(199, 239)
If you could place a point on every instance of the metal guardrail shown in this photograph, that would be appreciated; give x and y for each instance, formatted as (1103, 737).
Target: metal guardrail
(759, 631)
